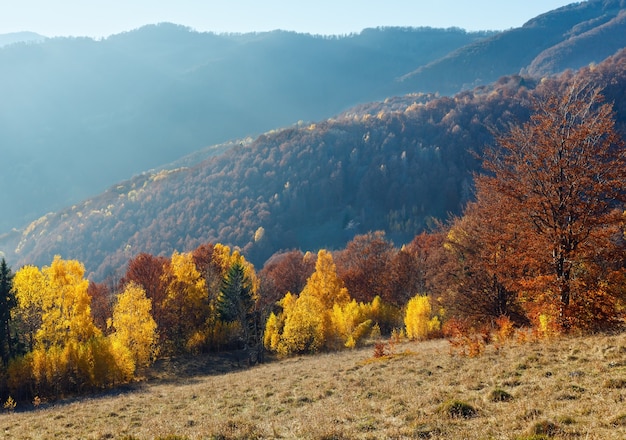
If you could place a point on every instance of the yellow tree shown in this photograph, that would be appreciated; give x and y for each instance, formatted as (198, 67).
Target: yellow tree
(186, 303)
(417, 320)
(306, 326)
(61, 359)
(134, 325)
(324, 284)
(28, 284)
(59, 292)
(307, 322)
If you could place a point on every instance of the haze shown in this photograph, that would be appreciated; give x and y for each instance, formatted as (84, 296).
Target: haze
(101, 18)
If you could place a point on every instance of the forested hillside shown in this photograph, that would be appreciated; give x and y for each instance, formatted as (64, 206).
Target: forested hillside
(395, 165)
(567, 38)
(140, 99)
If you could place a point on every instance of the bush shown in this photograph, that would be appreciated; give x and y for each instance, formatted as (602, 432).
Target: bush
(500, 395)
(458, 409)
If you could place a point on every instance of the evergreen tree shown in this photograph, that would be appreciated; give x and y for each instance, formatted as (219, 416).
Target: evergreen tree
(7, 302)
(236, 303)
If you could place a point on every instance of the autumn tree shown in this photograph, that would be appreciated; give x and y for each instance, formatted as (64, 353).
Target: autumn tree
(185, 305)
(7, 303)
(419, 319)
(365, 266)
(562, 174)
(67, 352)
(322, 316)
(416, 267)
(101, 304)
(150, 272)
(59, 292)
(133, 325)
(282, 273)
(482, 254)
(29, 284)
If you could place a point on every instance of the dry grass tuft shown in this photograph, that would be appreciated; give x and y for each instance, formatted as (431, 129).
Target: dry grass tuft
(563, 389)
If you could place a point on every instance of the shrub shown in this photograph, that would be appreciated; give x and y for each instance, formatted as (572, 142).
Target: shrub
(458, 409)
(417, 319)
(545, 428)
(500, 395)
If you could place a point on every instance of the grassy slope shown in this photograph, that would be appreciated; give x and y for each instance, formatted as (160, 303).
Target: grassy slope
(577, 383)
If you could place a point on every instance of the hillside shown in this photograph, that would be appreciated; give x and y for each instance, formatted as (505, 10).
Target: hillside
(395, 165)
(78, 114)
(390, 166)
(20, 37)
(140, 99)
(571, 387)
(567, 38)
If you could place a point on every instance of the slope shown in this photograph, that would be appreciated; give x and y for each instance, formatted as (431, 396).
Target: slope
(546, 37)
(78, 114)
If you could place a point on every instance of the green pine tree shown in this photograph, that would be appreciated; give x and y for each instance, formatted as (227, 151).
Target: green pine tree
(236, 303)
(7, 302)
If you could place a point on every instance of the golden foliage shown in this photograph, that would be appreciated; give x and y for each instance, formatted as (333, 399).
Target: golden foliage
(418, 321)
(134, 326)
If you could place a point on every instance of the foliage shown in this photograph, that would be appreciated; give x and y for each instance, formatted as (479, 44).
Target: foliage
(186, 303)
(561, 176)
(8, 346)
(322, 317)
(59, 292)
(133, 325)
(419, 320)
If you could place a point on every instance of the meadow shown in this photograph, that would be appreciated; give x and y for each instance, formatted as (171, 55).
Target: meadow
(562, 388)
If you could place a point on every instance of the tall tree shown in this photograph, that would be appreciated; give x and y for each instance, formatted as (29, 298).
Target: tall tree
(562, 174)
(236, 303)
(365, 266)
(59, 293)
(7, 302)
(134, 326)
(186, 306)
(149, 272)
(284, 272)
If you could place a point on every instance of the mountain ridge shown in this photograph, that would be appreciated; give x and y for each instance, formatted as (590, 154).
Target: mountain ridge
(398, 165)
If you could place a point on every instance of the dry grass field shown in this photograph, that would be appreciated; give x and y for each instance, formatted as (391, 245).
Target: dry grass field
(567, 388)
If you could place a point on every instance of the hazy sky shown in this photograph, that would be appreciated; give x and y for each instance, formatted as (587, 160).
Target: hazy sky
(101, 18)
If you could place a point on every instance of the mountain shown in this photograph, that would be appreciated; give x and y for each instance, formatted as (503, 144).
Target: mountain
(600, 38)
(20, 37)
(395, 165)
(77, 114)
(567, 38)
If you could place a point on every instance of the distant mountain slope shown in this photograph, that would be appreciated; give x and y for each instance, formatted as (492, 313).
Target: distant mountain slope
(568, 37)
(601, 40)
(20, 37)
(77, 115)
(394, 165)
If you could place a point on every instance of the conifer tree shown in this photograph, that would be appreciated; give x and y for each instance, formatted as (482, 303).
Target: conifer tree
(236, 303)
(7, 302)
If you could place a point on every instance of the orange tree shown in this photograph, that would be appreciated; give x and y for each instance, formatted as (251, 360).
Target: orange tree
(561, 175)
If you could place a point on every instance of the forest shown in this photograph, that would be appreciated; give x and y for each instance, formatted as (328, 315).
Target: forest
(399, 165)
(539, 251)
(141, 99)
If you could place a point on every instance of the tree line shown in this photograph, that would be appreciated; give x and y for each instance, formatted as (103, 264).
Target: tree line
(542, 245)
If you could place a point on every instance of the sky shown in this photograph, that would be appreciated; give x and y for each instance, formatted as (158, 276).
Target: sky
(101, 18)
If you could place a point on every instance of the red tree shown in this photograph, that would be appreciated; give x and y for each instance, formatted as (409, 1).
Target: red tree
(149, 272)
(561, 175)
